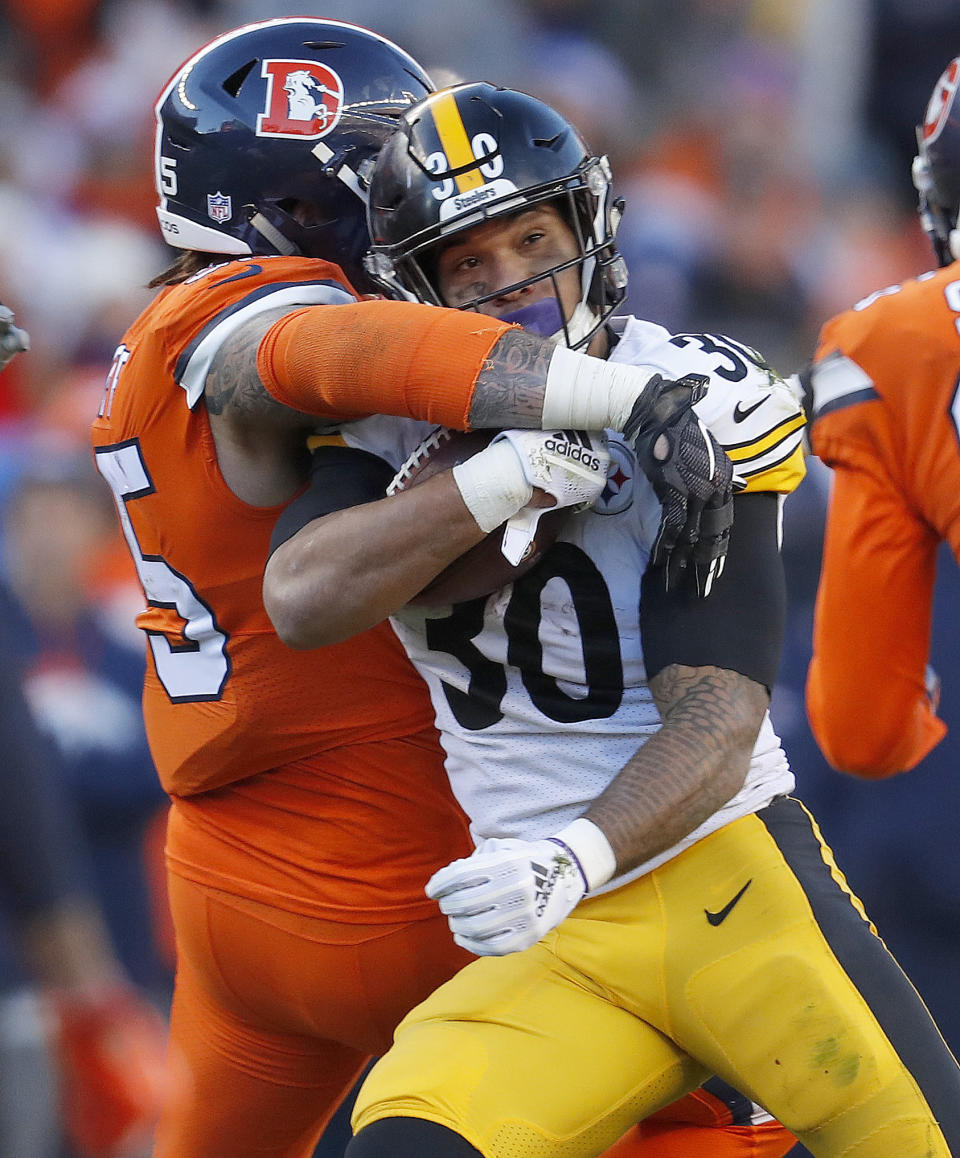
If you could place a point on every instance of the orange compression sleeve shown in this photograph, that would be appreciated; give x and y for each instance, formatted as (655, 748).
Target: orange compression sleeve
(378, 357)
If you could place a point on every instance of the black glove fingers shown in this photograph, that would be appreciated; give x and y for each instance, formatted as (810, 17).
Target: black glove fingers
(686, 543)
(672, 521)
(691, 476)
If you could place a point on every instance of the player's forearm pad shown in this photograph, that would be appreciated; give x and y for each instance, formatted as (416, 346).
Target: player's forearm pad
(586, 393)
(493, 485)
(591, 849)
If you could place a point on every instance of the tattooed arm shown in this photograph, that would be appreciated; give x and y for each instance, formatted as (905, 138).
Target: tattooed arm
(456, 369)
(261, 444)
(233, 387)
(710, 664)
(693, 765)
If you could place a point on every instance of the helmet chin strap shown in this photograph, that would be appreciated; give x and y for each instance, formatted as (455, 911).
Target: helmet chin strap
(267, 229)
(579, 324)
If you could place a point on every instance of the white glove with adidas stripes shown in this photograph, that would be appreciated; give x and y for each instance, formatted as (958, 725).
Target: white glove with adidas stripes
(510, 893)
(497, 484)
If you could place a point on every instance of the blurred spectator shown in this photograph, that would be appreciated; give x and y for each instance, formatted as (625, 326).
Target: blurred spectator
(81, 1053)
(84, 684)
(908, 44)
(80, 1050)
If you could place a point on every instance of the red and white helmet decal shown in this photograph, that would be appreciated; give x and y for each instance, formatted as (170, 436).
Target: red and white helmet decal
(941, 102)
(304, 99)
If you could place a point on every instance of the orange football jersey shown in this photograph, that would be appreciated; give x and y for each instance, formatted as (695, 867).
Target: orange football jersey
(331, 753)
(887, 419)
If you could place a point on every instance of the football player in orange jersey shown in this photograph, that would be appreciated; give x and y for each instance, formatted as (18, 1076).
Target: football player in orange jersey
(884, 403)
(309, 801)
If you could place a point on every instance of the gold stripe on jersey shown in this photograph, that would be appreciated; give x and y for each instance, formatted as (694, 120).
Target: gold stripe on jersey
(782, 477)
(773, 461)
(454, 141)
(315, 441)
(769, 439)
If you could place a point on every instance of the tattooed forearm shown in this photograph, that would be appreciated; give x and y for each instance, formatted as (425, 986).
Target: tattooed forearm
(689, 768)
(233, 383)
(509, 390)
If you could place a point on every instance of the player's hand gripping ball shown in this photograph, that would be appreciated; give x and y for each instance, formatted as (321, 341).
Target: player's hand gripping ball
(483, 568)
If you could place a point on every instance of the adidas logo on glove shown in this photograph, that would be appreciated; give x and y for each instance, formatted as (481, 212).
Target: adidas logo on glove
(572, 445)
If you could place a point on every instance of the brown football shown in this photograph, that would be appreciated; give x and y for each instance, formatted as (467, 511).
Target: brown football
(483, 568)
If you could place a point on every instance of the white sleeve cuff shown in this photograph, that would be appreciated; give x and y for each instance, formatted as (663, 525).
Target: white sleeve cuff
(493, 485)
(591, 849)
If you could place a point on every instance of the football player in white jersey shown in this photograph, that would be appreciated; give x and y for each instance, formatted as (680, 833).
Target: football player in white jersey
(648, 902)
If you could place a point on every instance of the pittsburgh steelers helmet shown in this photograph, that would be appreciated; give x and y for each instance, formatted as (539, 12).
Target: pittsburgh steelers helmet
(275, 116)
(470, 152)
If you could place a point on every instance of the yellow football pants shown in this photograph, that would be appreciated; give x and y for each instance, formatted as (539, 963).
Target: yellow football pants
(745, 956)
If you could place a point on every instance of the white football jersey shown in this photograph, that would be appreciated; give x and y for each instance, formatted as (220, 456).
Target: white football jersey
(540, 690)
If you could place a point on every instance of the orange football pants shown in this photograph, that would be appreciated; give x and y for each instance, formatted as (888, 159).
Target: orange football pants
(275, 1016)
(701, 1124)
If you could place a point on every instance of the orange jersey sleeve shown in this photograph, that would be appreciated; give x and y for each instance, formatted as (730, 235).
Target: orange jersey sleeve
(379, 357)
(885, 384)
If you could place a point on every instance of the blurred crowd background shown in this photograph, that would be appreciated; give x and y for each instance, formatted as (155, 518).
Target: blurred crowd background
(763, 148)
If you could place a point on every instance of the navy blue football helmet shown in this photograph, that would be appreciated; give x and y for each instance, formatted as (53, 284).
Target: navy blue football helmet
(266, 137)
(470, 152)
(936, 168)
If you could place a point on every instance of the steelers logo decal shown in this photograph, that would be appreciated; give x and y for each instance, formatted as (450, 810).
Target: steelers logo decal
(617, 495)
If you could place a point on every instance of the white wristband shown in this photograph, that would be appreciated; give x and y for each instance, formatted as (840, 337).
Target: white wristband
(591, 849)
(586, 393)
(493, 485)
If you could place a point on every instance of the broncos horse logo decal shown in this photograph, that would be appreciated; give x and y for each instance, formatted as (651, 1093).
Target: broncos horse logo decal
(304, 98)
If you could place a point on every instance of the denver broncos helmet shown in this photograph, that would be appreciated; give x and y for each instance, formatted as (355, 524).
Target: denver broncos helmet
(472, 151)
(936, 168)
(277, 116)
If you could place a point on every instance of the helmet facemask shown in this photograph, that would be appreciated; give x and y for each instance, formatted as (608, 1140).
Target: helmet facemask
(939, 223)
(407, 267)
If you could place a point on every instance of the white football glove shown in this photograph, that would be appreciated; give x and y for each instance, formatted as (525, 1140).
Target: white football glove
(13, 340)
(510, 893)
(497, 483)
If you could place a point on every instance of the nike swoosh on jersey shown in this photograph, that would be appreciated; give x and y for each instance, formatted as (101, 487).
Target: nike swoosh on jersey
(721, 915)
(740, 414)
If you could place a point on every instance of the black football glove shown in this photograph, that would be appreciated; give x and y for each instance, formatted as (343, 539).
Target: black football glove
(691, 475)
(13, 340)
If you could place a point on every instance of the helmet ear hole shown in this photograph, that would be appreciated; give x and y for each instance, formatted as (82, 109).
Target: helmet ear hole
(231, 86)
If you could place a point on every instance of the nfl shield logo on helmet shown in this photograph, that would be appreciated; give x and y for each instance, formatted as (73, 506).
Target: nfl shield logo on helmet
(219, 207)
(304, 99)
